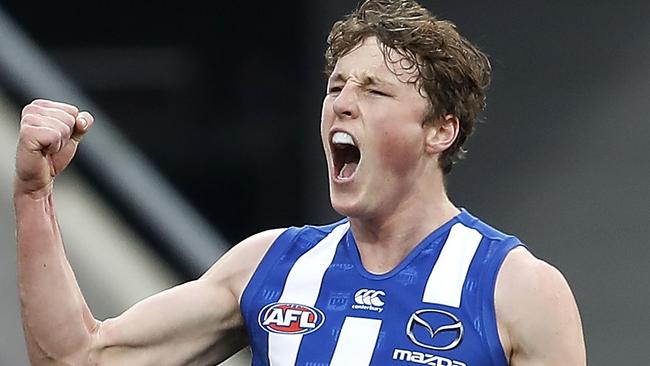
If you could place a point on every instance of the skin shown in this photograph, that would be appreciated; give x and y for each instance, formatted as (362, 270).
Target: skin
(394, 199)
(196, 323)
(397, 195)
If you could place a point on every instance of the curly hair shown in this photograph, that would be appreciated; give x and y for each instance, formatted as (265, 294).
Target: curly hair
(451, 72)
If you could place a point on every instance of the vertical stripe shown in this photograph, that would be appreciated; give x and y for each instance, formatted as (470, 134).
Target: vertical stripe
(356, 342)
(445, 283)
(302, 287)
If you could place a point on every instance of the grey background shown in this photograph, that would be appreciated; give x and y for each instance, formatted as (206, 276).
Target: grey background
(561, 160)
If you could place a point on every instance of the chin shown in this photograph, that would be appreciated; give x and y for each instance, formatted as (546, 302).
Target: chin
(347, 206)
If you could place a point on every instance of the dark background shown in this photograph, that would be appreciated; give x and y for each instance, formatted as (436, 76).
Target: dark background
(218, 105)
(225, 100)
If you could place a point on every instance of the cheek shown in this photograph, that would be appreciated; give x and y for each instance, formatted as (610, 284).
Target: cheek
(325, 118)
(399, 151)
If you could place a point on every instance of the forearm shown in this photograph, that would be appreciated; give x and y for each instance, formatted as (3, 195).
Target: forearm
(56, 319)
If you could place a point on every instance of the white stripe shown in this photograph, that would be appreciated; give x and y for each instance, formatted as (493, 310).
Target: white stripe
(356, 342)
(302, 287)
(445, 284)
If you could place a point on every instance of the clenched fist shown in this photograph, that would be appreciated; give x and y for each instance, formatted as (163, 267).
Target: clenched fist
(49, 135)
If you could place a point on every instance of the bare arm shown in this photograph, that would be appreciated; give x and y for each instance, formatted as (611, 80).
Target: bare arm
(49, 135)
(195, 323)
(539, 323)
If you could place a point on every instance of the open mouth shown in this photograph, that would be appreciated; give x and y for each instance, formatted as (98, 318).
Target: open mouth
(345, 154)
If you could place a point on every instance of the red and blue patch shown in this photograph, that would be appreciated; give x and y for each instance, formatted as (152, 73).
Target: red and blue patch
(288, 318)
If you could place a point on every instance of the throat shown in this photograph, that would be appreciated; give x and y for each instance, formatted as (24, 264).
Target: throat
(380, 261)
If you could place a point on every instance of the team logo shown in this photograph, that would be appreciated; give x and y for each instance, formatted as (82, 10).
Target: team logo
(286, 318)
(367, 299)
(435, 329)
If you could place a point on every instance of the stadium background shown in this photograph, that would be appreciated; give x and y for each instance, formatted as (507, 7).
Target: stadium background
(224, 100)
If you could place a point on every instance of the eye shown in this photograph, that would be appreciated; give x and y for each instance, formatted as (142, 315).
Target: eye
(334, 90)
(377, 92)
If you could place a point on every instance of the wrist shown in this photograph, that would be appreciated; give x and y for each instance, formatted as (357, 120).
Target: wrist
(26, 191)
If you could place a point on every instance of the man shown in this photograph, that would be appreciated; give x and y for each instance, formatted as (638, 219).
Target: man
(406, 278)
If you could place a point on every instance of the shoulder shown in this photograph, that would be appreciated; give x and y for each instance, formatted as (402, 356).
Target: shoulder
(536, 312)
(235, 268)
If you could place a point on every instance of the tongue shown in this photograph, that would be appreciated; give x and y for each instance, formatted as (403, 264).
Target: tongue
(347, 170)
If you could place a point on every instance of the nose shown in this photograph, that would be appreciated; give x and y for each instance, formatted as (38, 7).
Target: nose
(346, 103)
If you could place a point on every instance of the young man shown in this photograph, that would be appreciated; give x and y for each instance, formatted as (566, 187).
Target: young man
(406, 278)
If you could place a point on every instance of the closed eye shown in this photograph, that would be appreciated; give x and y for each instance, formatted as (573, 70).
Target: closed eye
(334, 90)
(377, 92)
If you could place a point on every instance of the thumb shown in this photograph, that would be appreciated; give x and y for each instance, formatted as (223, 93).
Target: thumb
(83, 123)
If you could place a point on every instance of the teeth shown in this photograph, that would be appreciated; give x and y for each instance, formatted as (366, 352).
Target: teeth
(342, 138)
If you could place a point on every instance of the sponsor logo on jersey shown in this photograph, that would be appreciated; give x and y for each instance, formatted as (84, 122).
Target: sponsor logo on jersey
(424, 358)
(367, 299)
(435, 329)
(287, 318)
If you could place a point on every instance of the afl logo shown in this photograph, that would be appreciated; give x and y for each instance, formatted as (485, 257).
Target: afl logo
(286, 318)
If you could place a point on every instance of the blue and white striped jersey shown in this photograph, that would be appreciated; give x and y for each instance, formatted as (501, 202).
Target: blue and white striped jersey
(311, 302)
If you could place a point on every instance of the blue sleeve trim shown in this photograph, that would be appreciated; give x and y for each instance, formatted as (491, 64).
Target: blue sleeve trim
(493, 342)
(281, 244)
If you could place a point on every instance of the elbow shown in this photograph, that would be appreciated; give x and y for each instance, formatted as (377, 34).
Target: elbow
(65, 348)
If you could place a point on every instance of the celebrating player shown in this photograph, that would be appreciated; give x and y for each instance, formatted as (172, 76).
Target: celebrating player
(405, 278)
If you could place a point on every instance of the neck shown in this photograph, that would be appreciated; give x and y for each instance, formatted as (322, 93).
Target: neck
(386, 238)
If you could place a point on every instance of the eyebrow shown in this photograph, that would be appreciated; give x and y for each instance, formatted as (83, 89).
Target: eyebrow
(365, 79)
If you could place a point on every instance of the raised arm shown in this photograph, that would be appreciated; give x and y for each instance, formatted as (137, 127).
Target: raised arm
(195, 323)
(539, 323)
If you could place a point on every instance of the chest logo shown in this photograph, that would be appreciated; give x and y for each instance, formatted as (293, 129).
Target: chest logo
(288, 318)
(435, 329)
(369, 297)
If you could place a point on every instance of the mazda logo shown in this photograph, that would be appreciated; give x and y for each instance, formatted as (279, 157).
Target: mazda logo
(435, 329)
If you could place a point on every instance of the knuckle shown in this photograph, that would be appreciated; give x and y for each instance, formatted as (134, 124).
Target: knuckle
(58, 135)
(69, 120)
(74, 108)
(40, 102)
(29, 119)
(27, 133)
(65, 131)
(66, 107)
(28, 109)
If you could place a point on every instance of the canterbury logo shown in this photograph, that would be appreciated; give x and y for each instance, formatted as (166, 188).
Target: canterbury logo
(369, 297)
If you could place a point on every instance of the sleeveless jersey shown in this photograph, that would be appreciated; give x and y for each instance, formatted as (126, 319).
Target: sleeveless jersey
(310, 302)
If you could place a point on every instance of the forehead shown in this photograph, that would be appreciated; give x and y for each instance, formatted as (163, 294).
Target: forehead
(367, 61)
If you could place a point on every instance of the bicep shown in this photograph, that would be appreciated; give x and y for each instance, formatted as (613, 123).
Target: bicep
(538, 313)
(196, 322)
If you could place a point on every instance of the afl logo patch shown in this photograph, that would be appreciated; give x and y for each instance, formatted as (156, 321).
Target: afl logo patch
(287, 318)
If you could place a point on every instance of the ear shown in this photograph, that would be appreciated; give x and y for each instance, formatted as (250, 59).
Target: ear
(441, 134)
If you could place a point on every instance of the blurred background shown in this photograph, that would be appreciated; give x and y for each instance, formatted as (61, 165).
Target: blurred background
(207, 132)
